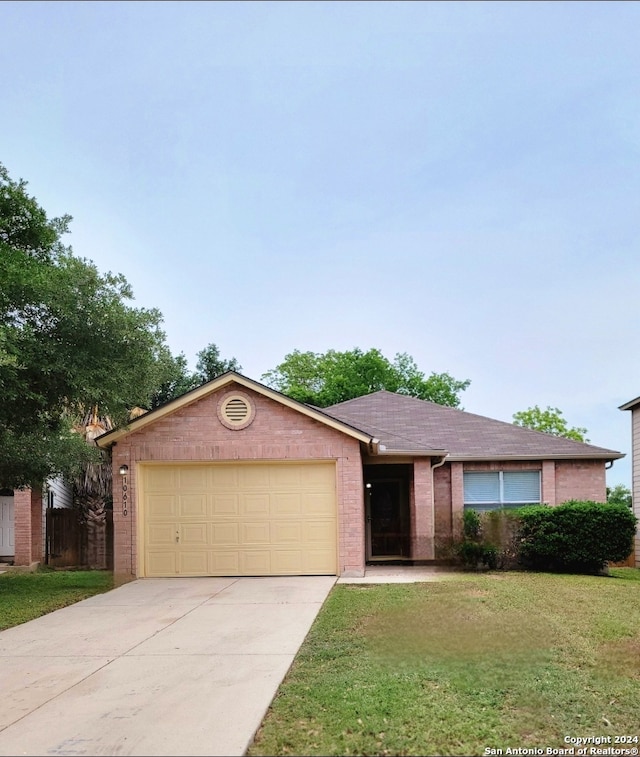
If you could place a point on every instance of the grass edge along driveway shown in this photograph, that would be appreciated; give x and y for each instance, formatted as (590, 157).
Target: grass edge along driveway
(464, 666)
(26, 596)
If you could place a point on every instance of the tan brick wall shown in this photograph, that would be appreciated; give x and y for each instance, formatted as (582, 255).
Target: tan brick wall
(27, 505)
(422, 511)
(583, 480)
(194, 433)
(442, 510)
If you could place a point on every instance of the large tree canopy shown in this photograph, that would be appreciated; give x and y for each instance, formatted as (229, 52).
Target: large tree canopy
(69, 340)
(550, 421)
(323, 379)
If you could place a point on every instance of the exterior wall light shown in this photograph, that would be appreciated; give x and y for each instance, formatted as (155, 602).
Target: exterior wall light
(124, 469)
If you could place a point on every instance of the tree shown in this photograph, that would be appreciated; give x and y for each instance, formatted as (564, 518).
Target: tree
(324, 379)
(178, 379)
(549, 421)
(69, 341)
(210, 364)
(619, 495)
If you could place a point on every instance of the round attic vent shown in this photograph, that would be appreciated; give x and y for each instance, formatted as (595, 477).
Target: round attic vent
(236, 411)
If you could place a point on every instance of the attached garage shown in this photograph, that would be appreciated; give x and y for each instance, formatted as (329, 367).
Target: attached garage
(221, 519)
(235, 479)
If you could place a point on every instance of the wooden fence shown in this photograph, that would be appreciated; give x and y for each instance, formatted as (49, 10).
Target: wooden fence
(71, 543)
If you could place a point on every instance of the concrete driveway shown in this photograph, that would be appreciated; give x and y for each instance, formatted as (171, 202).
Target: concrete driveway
(174, 666)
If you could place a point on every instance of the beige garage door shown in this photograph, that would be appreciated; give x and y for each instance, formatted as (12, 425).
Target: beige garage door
(240, 519)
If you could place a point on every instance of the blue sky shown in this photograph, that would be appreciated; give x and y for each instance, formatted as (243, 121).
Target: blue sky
(459, 181)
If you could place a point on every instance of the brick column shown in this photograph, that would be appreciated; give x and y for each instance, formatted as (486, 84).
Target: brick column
(423, 526)
(457, 499)
(549, 482)
(124, 536)
(27, 505)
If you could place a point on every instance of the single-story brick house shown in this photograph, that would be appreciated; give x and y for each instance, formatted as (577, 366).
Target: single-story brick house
(234, 478)
(634, 407)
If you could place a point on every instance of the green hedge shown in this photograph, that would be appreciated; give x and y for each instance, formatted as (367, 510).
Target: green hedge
(576, 536)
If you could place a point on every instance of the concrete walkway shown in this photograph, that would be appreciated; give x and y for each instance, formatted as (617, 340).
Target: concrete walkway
(172, 666)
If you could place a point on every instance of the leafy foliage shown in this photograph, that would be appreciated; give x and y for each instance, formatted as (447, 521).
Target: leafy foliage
(619, 495)
(324, 379)
(549, 421)
(576, 536)
(178, 379)
(69, 340)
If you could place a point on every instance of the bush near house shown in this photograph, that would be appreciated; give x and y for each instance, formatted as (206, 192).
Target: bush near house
(578, 537)
(581, 537)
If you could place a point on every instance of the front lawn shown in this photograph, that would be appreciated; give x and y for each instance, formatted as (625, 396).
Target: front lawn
(25, 596)
(479, 662)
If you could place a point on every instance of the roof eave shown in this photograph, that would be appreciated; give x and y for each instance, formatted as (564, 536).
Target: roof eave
(584, 456)
(630, 405)
(413, 453)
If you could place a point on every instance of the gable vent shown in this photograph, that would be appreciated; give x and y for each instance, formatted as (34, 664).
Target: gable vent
(236, 411)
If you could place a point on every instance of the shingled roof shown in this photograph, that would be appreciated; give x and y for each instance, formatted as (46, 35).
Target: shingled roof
(406, 424)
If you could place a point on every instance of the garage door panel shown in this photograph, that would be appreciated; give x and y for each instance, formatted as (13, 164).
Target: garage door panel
(255, 504)
(254, 477)
(316, 503)
(163, 505)
(225, 504)
(224, 563)
(318, 561)
(225, 477)
(286, 503)
(193, 479)
(193, 534)
(255, 533)
(193, 562)
(287, 561)
(286, 531)
(286, 477)
(192, 505)
(255, 562)
(161, 534)
(239, 519)
(164, 479)
(318, 476)
(162, 563)
(223, 534)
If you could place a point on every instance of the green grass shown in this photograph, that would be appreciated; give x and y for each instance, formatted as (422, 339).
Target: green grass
(499, 660)
(25, 596)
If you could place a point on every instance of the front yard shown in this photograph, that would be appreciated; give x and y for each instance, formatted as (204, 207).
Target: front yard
(460, 667)
(25, 596)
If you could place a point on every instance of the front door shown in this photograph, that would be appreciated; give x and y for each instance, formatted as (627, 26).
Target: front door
(387, 519)
(7, 547)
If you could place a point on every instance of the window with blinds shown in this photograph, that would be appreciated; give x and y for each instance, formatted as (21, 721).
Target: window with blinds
(495, 489)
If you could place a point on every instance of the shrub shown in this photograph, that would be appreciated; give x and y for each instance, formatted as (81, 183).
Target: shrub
(575, 536)
(473, 550)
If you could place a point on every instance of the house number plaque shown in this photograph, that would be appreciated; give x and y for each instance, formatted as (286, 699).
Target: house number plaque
(124, 495)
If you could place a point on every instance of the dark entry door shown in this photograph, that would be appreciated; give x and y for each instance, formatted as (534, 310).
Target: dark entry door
(388, 519)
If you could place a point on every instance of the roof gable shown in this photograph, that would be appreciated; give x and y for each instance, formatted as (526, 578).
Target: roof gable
(404, 423)
(231, 377)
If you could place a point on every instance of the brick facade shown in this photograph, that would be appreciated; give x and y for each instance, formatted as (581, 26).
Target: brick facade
(27, 504)
(561, 480)
(194, 433)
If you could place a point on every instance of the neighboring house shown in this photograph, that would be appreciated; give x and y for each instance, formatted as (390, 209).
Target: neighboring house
(23, 520)
(634, 407)
(234, 478)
